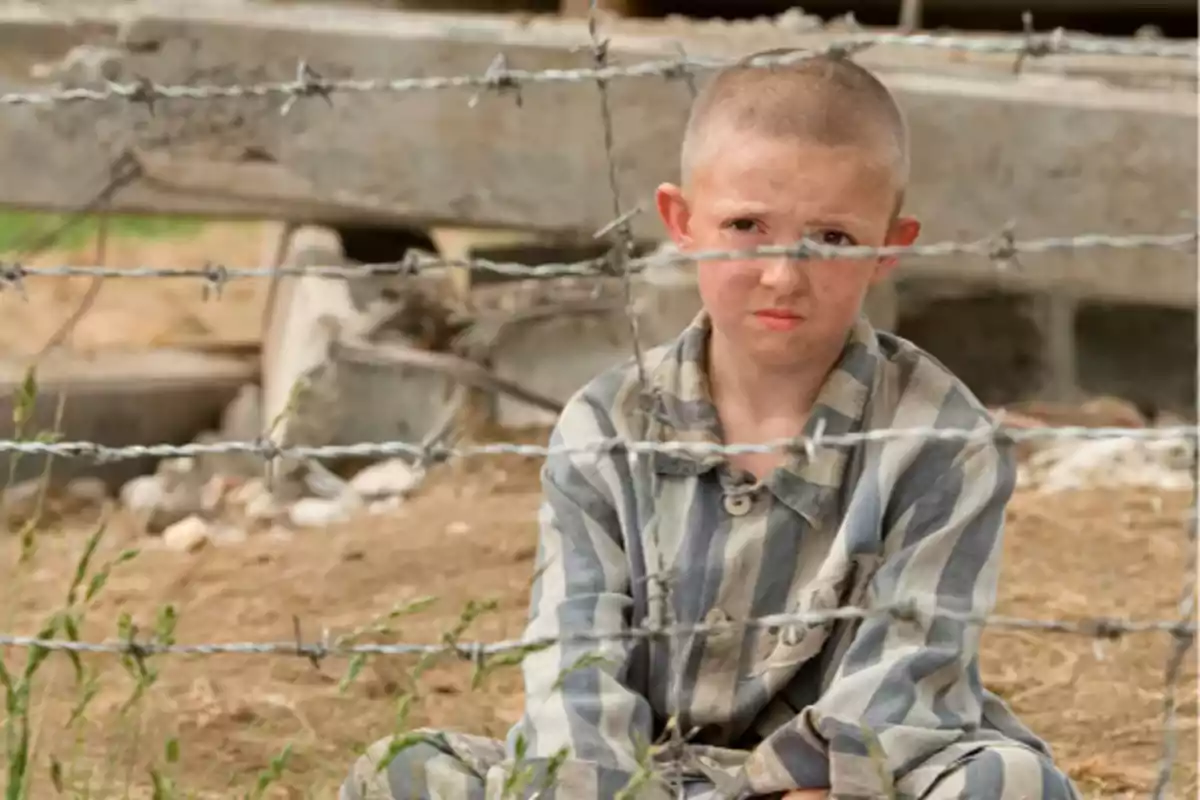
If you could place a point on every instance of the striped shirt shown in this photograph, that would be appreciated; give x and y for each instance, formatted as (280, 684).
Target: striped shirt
(865, 706)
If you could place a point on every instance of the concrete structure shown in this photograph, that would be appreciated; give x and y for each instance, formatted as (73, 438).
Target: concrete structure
(1070, 145)
(117, 399)
(314, 393)
(1044, 149)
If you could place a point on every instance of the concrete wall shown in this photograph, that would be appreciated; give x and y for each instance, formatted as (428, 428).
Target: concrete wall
(1071, 145)
(1011, 347)
(118, 399)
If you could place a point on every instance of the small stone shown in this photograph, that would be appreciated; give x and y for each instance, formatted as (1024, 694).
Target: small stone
(88, 490)
(157, 502)
(256, 502)
(143, 493)
(179, 466)
(263, 508)
(458, 528)
(228, 535)
(19, 502)
(187, 536)
(82, 495)
(214, 492)
(394, 477)
(384, 506)
(249, 491)
(316, 512)
(320, 481)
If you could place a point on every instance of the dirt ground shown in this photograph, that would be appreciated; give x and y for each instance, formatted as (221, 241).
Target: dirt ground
(470, 535)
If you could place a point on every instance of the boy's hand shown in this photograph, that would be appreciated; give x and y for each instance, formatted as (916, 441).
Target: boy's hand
(807, 794)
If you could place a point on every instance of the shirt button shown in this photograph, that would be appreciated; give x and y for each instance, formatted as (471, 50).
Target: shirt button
(716, 617)
(738, 505)
(792, 635)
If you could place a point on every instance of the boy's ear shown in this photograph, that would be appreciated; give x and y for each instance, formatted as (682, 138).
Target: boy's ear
(904, 231)
(674, 212)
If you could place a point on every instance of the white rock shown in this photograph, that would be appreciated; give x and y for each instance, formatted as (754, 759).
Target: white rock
(394, 477)
(188, 535)
(87, 490)
(249, 491)
(181, 465)
(321, 481)
(228, 535)
(20, 501)
(214, 492)
(263, 508)
(1108, 463)
(315, 512)
(458, 528)
(143, 494)
(156, 502)
(385, 506)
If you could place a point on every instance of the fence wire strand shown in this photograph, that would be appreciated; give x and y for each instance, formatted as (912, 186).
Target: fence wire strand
(1099, 628)
(600, 447)
(1002, 249)
(308, 83)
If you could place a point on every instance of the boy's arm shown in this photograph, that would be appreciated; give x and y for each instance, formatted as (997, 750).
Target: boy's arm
(906, 689)
(576, 697)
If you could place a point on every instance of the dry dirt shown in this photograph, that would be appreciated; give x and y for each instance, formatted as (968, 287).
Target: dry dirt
(470, 535)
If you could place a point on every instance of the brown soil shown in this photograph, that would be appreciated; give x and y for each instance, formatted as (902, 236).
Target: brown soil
(470, 535)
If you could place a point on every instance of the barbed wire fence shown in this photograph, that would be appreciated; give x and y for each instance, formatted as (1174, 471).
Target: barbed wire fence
(619, 263)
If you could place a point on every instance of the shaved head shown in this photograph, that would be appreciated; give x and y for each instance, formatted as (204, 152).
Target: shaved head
(826, 100)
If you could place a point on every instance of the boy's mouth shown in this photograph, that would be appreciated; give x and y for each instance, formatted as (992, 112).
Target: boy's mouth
(778, 318)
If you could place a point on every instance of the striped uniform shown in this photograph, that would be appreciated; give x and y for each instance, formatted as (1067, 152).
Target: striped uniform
(872, 708)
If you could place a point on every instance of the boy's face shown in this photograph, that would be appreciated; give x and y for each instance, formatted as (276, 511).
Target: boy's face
(747, 191)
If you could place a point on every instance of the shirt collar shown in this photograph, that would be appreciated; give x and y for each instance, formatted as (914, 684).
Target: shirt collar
(681, 404)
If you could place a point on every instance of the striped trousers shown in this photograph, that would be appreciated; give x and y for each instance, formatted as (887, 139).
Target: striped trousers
(455, 766)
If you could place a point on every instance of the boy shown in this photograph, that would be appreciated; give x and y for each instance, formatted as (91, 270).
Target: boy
(871, 708)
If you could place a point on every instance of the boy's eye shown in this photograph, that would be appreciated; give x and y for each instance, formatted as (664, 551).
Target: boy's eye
(742, 224)
(834, 238)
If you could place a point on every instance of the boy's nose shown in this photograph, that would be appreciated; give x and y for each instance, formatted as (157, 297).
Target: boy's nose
(783, 272)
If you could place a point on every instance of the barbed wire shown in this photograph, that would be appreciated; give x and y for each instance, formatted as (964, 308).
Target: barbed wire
(999, 433)
(1100, 628)
(308, 83)
(1001, 249)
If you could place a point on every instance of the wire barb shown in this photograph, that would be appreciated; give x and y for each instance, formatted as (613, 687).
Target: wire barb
(903, 611)
(612, 447)
(1003, 249)
(308, 83)
(12, 276)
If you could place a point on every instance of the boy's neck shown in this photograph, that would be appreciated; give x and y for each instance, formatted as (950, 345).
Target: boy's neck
(780, 399)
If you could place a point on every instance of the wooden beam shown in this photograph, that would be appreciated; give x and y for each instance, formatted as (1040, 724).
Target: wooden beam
(1072, 145)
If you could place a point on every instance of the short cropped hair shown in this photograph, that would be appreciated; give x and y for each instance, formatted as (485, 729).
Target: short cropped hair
(827, 99)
